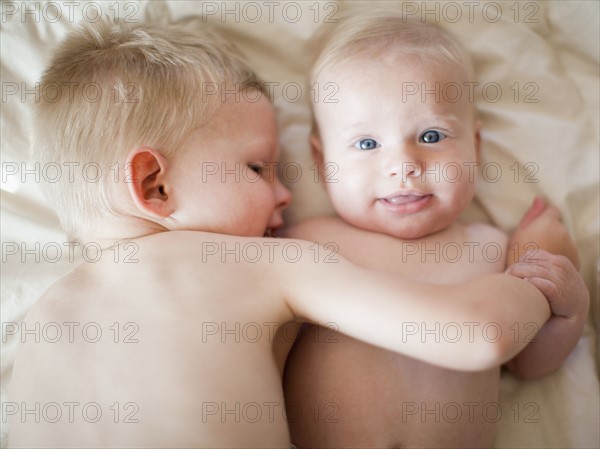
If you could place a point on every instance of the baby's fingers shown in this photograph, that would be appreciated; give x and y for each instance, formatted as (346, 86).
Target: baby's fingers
(549, 289)
(550, 274)
(531, 264)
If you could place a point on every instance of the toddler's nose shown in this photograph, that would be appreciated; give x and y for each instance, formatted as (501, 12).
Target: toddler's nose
(283, 197)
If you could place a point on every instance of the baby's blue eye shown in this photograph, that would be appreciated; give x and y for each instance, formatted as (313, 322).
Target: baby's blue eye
(366, 144)
(432, 136)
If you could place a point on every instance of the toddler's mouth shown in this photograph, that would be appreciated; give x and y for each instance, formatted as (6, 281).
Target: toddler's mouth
(273, 232)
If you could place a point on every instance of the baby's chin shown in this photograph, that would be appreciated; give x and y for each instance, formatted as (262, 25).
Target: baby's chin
(409, 234)
(399, 231)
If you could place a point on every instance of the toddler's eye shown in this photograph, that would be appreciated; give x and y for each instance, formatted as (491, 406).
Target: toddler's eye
(366, 144)
(432, 136)
(256, 168)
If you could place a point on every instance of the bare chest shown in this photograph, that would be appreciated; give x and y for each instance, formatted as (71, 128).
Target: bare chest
(451, 256)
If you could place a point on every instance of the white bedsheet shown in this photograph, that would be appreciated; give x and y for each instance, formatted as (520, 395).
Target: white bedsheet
(538, 68)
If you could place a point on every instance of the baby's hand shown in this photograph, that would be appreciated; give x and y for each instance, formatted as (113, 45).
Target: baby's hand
(541, 228)
(559, 281)
(563, 287)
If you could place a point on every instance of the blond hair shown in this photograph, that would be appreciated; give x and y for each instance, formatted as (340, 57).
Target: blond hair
(374, 33)
(111, 88)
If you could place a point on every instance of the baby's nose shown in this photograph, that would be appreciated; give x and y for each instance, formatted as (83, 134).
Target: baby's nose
(404, 162)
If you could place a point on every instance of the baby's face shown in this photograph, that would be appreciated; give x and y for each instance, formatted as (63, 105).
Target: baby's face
(398, 155)
(225, 178)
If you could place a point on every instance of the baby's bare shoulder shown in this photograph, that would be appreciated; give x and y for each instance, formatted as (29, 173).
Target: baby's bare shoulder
(485, 233)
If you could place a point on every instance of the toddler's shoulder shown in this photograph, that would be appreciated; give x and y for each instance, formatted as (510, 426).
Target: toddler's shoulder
(315, 229)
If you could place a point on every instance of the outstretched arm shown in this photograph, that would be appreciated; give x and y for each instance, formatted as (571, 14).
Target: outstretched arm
(463, 327)
(557, 278)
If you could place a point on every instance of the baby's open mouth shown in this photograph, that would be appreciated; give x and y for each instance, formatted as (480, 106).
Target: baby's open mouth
(404, 199)
(406, 202)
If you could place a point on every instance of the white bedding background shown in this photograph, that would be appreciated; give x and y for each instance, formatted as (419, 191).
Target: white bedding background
(538, 68)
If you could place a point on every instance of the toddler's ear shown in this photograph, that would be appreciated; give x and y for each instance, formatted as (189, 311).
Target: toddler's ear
(145, 171)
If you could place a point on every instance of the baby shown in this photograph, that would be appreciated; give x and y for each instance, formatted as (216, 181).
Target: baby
(177, 334)
(405, 172)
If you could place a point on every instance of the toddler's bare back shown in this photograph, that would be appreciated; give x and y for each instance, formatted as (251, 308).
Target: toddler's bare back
(180, 338)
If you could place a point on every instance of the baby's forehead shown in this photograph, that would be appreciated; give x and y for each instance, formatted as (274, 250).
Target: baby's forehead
(369, 86)
(395, 62)
(398, 72)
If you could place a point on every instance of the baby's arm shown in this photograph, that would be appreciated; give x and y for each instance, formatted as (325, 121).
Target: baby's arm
(463, 327)
(541, 228)
(556, 277)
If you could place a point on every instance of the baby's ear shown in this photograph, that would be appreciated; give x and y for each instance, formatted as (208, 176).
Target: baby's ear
(316, 150)
(145, 171)
(477, 138)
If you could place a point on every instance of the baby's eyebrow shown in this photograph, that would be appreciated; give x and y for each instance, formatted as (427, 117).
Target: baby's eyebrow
(350, 129)
(356, 124)
(346, 132)
(450, 118)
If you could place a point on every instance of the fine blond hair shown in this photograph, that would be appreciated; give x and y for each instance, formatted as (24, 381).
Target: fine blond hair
(111, 88)
(372, 34)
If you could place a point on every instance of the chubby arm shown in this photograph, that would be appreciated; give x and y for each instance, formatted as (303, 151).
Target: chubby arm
(541, 228)
(463, 327)
(556, 276)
